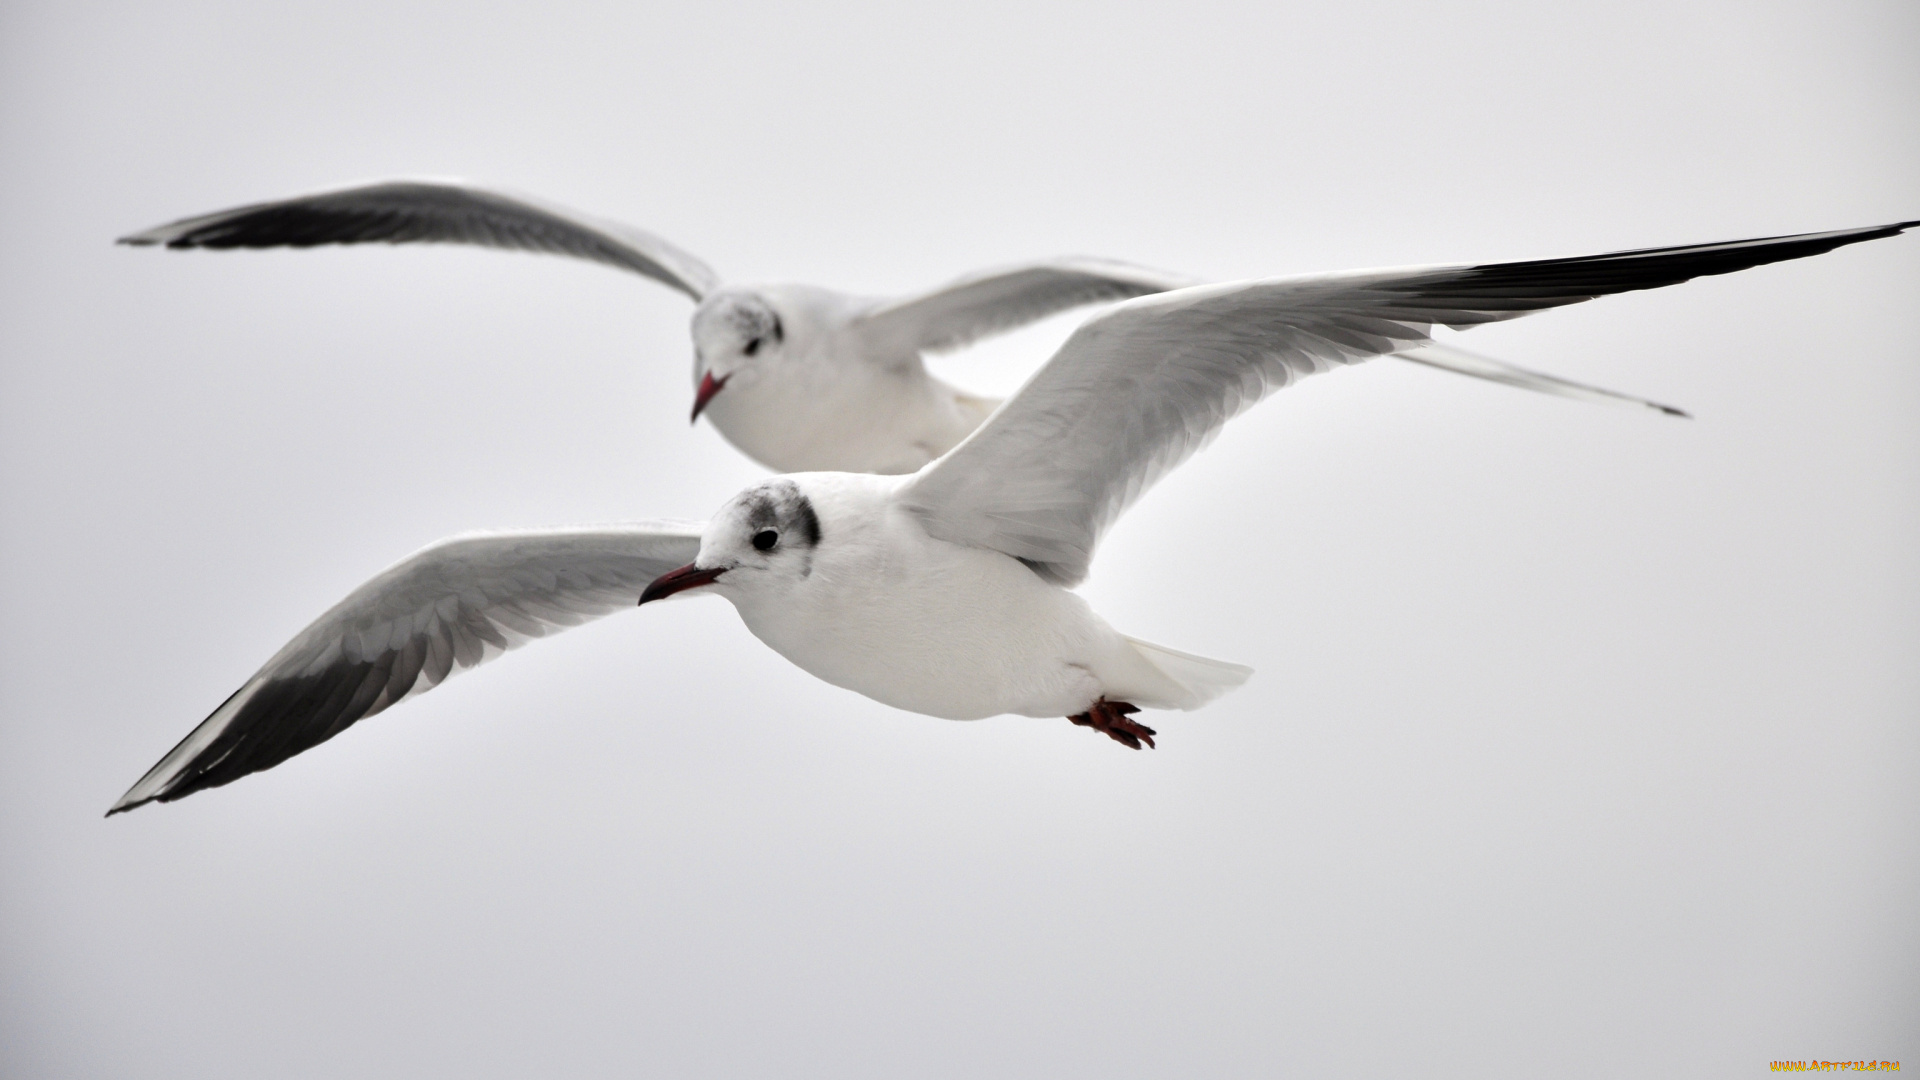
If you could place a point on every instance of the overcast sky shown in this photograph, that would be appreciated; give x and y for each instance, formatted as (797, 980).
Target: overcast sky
(1582, 742)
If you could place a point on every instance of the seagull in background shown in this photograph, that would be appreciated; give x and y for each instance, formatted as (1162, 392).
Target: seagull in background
(946, 592)
(798, 377)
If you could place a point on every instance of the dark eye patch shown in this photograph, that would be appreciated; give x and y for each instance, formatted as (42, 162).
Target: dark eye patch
(809, 522)
(765, 539)
(752, 347)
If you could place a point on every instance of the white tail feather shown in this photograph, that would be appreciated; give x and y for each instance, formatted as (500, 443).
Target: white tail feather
(1201, 679)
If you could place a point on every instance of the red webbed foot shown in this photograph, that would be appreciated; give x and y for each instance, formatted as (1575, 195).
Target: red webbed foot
(1111, 717)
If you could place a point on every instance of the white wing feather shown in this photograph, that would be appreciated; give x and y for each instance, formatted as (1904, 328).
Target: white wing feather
(1003, 298)
(1136, 390)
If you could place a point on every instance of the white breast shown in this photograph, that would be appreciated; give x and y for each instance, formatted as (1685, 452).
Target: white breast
(825, 404)
(925, 625)
(839, 417)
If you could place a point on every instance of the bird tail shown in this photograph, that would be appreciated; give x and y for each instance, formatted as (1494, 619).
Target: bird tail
(1199, 679)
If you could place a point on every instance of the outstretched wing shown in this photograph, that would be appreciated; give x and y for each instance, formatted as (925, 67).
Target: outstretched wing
(1004, 298)
(445, 608)
(437, 211)
(1135, 391)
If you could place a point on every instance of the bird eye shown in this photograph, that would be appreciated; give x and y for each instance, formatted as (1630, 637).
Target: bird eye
(752, 347)
(765, 539)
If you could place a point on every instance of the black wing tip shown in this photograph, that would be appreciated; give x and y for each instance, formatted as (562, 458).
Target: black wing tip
(1895, 227)
(1844, 237)
(123, 805)
(179, 788)
(1876, 232)
(159, 238)
(177, 791)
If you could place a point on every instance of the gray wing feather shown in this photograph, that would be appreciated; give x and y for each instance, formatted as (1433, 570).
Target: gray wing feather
(1138, 389)
(447, 607)
(1003, 298)
(437, 211)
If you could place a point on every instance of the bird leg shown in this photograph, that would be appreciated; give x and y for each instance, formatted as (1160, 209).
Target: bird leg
(1111, 718)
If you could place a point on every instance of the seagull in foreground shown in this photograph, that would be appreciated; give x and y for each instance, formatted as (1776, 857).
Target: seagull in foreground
(946, 592)
(813, 378)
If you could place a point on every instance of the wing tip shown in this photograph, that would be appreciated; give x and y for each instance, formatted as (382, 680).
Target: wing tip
(130, 801)
(174, 235)
(1881, 232)
(149, 789)
(1845, 237)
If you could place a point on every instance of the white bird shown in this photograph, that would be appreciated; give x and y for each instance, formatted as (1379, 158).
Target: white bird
(946, 592)
(814, 379)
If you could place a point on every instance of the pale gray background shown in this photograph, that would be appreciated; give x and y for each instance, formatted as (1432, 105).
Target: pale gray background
(1583, 742)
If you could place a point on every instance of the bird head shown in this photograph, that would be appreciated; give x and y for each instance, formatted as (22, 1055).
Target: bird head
(735, 333)
(763, 536)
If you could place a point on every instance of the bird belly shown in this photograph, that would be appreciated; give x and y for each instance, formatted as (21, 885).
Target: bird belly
(948, 631)
(841, 418)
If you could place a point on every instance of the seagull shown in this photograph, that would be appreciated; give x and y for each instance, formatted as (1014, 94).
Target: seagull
(813, 379)
(946, 592)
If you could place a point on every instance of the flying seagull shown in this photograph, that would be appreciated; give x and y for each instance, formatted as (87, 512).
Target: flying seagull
(946, 592)
(812, 378)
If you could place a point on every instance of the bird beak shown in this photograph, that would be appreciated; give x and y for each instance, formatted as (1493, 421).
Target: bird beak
(673, 581)
(709, 386)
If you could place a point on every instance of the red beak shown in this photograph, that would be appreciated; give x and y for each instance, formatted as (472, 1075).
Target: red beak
(709, 386)
(673, 581)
